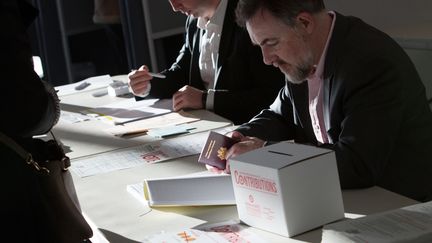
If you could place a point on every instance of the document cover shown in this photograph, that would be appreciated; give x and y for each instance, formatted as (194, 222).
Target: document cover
(197, 189)
(215, 149)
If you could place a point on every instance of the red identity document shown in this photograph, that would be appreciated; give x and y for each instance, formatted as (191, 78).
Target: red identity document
(215, 149)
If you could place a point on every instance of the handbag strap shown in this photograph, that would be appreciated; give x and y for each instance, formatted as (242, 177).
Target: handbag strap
(14, 146)
(28, 158)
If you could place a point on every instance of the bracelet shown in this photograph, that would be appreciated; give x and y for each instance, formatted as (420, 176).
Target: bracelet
(204, 98)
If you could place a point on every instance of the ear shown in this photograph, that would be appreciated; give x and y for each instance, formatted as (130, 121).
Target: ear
(306, 22)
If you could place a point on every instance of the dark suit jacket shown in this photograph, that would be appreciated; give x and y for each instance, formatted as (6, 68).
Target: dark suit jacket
(375, 112)
(245, 85)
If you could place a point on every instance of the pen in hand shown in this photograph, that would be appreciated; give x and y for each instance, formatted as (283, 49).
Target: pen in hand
(154, 75)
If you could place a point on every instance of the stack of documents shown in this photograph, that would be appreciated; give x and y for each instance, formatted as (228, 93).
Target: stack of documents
(407, 224)
(162, 121)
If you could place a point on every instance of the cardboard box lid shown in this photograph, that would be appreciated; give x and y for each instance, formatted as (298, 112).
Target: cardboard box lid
(281, 154)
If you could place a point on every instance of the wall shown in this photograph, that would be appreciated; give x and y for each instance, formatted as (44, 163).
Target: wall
(399, 18)
(408, 22)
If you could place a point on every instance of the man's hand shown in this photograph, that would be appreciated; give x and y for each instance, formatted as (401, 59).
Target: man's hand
(139, 80)
(188, 97)
(243, 145)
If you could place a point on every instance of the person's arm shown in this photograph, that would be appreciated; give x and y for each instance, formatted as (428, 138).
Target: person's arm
(177, 75)
(274, 124)
(27, 107)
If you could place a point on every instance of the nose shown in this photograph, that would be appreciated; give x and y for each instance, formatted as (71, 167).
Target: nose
(268, 56)
(175, 5)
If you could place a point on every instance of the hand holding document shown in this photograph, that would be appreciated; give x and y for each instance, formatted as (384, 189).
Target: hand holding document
(215, 149)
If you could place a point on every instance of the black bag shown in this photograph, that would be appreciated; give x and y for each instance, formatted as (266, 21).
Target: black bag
(57, 192)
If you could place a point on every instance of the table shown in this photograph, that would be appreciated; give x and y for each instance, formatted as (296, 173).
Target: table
(122, 218)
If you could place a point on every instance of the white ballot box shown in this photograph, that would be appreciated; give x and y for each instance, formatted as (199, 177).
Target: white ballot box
(287, 188)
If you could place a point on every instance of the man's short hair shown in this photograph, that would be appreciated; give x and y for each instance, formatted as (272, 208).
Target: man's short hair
(286, 10)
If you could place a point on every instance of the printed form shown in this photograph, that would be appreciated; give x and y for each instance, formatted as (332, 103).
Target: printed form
(144, 154)
(223, 232)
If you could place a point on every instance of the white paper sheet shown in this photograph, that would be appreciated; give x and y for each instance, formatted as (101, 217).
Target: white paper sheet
(96, 82)
(131, 110)
(72, 117)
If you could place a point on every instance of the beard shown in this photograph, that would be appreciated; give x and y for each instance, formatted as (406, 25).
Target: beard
(300, 72)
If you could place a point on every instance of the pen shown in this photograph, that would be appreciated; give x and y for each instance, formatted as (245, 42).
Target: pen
(155, 75)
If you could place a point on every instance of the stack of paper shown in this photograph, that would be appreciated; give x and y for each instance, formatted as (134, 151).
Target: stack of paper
(408, 224)
(141, 126)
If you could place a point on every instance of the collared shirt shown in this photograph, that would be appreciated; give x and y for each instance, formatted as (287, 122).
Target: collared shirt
(315, 84)
(209, 49)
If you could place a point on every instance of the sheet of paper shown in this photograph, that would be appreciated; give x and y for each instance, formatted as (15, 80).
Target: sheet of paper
(96, 82)
(163, 132)
(131, 110)
(170, 119)
(72, 117)
(224, 232)
(149, 153)
(407, 224)
(137, 191)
